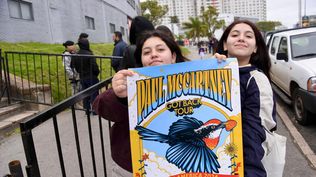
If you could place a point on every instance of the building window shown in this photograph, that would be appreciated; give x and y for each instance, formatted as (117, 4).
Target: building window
(112, 28)
(122, 30)
(20, 9)
(89, 23)
(131, 3)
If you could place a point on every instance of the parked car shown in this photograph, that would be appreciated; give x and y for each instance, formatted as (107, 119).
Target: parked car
(293, 68)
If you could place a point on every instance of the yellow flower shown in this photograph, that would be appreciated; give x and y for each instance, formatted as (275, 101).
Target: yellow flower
(230, 149)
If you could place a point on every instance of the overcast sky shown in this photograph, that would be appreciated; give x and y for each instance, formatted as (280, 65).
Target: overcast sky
(286, 11)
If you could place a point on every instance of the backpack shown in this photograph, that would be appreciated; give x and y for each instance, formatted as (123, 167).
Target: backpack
(129, 60)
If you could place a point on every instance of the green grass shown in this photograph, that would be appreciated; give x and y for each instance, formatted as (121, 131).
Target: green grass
(42, 69)
(49, 70)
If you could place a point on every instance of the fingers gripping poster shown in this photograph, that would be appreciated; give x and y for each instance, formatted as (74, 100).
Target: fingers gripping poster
(185, 120)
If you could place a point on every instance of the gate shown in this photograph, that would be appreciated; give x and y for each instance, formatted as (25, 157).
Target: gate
(94, 151)
(41, 78)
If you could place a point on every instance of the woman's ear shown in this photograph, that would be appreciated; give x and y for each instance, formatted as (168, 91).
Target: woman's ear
(255, 50)
(174, 58)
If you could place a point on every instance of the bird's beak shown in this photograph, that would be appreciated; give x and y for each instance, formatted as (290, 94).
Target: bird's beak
(230, 124)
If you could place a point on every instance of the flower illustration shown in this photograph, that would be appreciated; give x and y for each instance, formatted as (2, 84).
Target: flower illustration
(230, 149)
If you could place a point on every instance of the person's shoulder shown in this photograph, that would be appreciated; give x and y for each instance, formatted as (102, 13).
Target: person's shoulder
(260, 76)
(122, 43)
(261, 81)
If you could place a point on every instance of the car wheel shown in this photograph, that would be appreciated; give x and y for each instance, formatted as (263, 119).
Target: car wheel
(301, 114)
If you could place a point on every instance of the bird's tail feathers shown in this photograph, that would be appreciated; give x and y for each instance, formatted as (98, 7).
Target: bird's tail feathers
(151, 135)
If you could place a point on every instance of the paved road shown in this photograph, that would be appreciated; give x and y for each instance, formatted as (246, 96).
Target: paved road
(194, 54)
(11, 148)
(308, 131)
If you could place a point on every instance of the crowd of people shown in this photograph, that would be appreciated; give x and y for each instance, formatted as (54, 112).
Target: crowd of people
(241, 40)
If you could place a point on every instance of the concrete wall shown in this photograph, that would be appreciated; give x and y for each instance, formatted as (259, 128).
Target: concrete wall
(56, 21)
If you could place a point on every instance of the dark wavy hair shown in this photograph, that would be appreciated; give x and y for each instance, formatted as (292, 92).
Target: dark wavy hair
(261, 58)
(172, 45)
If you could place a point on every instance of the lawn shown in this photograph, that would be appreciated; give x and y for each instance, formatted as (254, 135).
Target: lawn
(48, 69)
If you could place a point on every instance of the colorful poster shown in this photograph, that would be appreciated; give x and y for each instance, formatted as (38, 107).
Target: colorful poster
(185, 120)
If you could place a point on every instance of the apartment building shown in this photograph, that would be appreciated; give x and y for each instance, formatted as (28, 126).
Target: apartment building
(192, 8)
(186, 8)
(55, 21)
(246, 8)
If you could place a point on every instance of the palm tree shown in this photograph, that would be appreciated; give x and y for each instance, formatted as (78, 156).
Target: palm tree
(194, 28)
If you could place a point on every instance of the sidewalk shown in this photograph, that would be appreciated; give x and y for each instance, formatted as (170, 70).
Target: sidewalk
(194, 53)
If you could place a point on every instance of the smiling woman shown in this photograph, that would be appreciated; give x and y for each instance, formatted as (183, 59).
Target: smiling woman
(153, 48)
(155, 52)
(243, 40)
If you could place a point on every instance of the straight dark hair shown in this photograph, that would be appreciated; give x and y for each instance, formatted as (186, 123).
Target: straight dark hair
(261, 58)
(172, 45)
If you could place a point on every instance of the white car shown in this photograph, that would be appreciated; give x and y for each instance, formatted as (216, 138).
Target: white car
(293, 68)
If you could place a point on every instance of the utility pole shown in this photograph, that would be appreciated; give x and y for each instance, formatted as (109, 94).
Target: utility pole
(300, 13)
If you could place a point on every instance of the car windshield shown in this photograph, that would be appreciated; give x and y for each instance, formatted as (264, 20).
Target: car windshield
(303, 46)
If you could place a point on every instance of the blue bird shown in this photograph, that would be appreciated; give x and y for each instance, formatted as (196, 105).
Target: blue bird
(191, 143)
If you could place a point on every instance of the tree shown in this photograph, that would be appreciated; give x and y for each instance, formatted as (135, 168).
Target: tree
(195, 28)
(209, 17)
(174, 19)
(152, 11)
(265, 26)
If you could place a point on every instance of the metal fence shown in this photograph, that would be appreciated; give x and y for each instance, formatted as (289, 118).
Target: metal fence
(33, 169)
(41, 78)
(3, 79)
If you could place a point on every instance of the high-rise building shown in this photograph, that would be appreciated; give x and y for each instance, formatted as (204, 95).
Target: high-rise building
(247, 8)
(186, 8)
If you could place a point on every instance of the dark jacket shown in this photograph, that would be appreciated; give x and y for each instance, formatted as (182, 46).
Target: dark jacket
(129, 60)
(86, 66)
(258, 116)
(119, 48)
(115, 109)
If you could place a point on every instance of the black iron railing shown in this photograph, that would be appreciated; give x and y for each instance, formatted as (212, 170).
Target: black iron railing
(54, 114)
(41, 78)
(3, 79)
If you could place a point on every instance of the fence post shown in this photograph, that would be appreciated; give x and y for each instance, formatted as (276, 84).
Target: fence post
(29, 149)
(6, 77)
(2, 82)
(15, 168)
